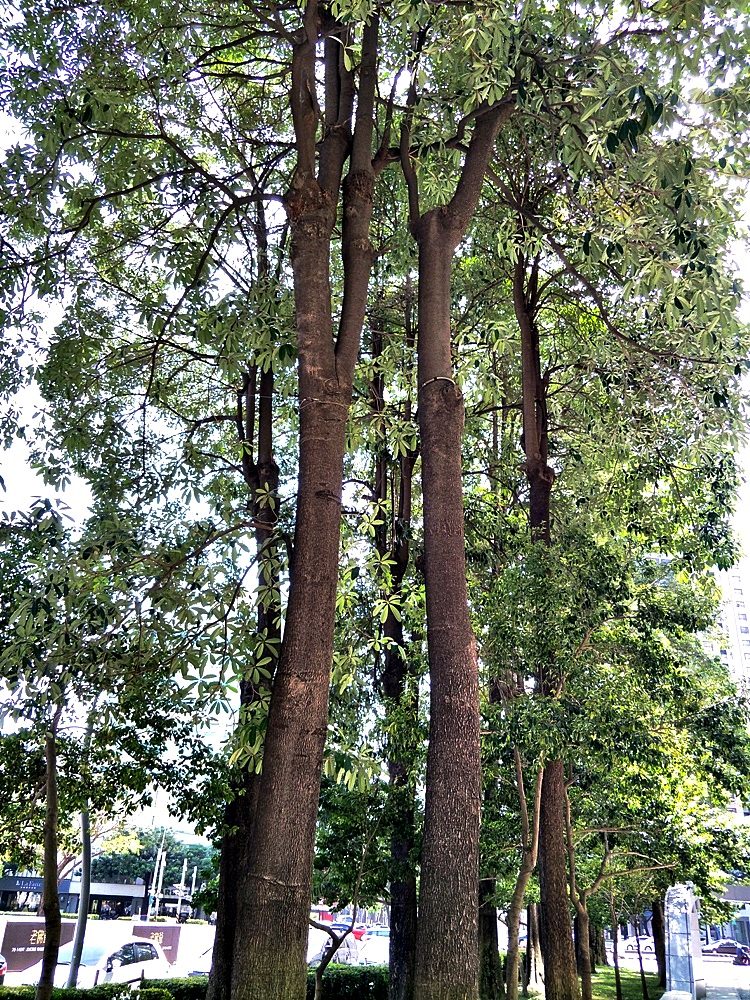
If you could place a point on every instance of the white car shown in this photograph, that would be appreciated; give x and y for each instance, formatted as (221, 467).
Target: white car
(199, 965)
(646, 944)
(375, 946)
(103, 962)
(319, 942)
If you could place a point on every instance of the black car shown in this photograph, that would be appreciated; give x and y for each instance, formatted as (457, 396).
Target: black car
(724, 946)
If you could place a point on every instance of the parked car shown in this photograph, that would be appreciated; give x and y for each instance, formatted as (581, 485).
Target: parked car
(3, 969)
(379, 932)
(376, 947)
(347, 952)
(101, 962)
(646, 945)
(724, 946)
(199, 966)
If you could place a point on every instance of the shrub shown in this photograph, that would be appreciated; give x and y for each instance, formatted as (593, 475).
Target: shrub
(154, 993)
(341, 982)
(107, 991)
(352, 982)
(190, 988)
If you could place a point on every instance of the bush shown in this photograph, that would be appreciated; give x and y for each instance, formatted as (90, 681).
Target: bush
(190, 988)
(352, 982)
(341, 982)
(107, 991)
(154, 993)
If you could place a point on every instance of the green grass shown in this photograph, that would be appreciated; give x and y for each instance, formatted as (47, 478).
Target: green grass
(603, 984)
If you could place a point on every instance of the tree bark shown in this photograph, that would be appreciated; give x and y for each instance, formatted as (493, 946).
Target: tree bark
(644, 984)
(560, 979)
(660, 946)
(530, 850)
(83, 899)
(50, 895)
(272, 925)
(615, 949)
(254, 422)
(239, 816)
(585, 950)
(400, 697)
(85, 894)
(490, 969)
(447, 961)
(533, 972)
(598, 948)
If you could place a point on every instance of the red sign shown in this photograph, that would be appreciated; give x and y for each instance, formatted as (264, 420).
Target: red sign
(23, 942)
(166, 935)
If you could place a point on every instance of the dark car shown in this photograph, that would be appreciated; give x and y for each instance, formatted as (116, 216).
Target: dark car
(646, 945)
(724, 946)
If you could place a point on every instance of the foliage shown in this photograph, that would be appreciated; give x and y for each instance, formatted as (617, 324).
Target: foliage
(107, 991)
(341, 983)
(84, 649)
(193, 988)
(139, 863)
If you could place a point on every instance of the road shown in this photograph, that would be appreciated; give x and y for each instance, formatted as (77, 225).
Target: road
(724, 980)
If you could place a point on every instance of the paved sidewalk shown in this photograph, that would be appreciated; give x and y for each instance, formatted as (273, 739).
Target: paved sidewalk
(727, 993)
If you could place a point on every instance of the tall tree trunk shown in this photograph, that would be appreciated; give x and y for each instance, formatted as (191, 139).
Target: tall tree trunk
(50, 895)
(447, 962)
(644, 984)
(561, 981)
(598, 948)
(660, 946)
(85, 893)
(254, 423)
(272, 925)
(533, 971)
(400, 691)
(84, 899)
(490, 968)
(584, 945)
(239, 816)
(530, 849)
(447, 950)
(615, 948)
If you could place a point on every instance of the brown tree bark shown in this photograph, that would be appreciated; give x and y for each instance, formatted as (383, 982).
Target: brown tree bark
(490, 968)
(400, 697)
(561, 981)
(272, 926)
(660, 945)
(615, 948)
(598, 948)
(533, 972)
(644, 984)
(50, 895)
(530, 849)
(447, 959)
(254, 425)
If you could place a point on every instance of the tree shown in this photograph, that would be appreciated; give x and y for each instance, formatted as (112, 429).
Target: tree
(78, 650)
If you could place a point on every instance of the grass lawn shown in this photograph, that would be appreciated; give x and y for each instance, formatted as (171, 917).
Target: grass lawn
(603, 984)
